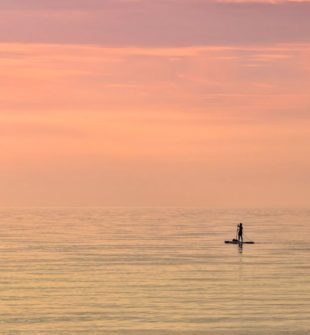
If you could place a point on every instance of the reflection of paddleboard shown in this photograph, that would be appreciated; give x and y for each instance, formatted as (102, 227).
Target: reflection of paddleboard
(234, 241)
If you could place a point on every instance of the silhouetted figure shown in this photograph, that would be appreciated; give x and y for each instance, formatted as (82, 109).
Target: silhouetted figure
(240, 232)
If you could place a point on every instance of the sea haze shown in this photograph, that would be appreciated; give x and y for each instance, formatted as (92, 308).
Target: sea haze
(153, 272)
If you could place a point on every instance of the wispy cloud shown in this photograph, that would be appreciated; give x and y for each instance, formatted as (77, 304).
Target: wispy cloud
(38, 130)
(210, 80)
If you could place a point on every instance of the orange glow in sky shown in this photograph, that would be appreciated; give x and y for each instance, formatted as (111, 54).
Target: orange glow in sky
(154, 119)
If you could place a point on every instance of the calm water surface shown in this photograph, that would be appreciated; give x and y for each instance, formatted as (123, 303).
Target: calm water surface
(153, 272)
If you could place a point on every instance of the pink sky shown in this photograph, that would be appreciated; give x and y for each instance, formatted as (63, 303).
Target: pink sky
(154, 103)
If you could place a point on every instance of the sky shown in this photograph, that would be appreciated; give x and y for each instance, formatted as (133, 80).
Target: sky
(155, 103)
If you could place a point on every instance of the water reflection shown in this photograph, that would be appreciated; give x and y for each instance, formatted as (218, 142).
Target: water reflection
(153, 271)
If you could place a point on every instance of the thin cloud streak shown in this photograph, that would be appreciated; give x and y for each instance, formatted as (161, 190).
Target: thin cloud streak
(209, 80)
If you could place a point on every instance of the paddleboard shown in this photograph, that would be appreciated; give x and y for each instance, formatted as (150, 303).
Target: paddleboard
(237, 242)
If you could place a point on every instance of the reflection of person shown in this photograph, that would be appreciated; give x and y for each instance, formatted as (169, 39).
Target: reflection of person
(240, 232)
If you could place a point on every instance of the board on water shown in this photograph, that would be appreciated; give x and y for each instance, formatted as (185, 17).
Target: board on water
(234, 241)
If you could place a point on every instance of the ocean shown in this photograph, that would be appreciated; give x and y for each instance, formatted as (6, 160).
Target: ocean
(153, 271)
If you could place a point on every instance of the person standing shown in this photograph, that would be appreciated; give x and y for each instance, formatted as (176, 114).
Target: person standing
(240, 232)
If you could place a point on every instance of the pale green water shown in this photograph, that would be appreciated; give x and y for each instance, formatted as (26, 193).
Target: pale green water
(153, 272)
